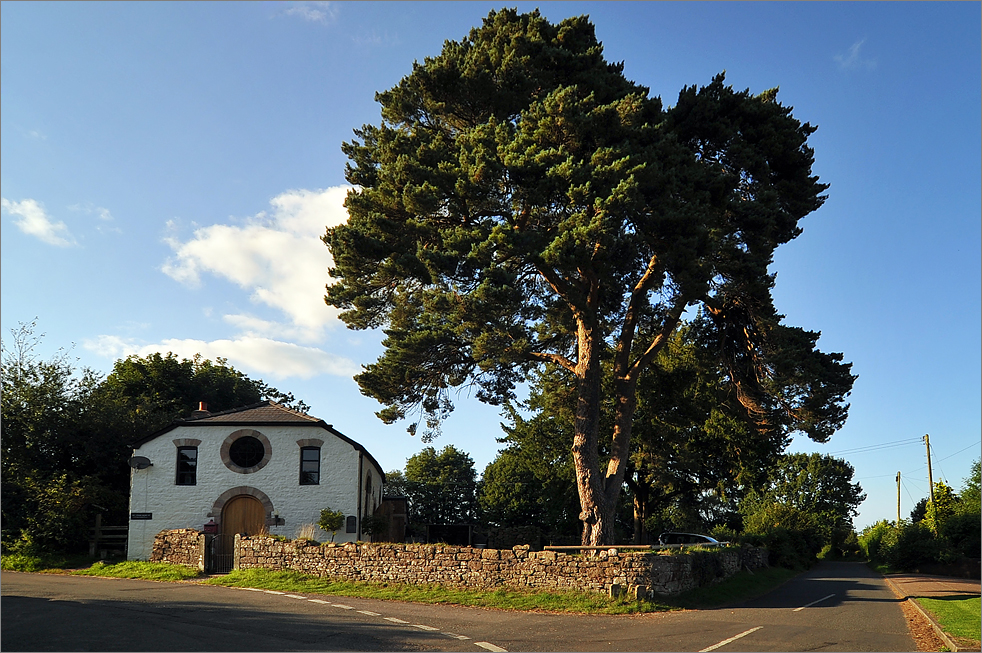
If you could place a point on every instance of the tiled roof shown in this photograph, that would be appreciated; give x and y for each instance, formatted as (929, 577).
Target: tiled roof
(265, 412)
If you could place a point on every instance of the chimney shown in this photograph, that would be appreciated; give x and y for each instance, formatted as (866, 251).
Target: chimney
(201, 412)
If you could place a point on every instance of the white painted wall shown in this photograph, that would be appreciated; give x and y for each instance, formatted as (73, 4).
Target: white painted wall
(154, 489)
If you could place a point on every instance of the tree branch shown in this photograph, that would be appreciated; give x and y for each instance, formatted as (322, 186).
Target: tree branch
(671, 321)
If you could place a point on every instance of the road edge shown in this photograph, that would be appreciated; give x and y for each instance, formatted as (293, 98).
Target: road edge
(949, 642)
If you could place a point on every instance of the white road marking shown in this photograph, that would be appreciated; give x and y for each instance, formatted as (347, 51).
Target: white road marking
(813, 603)
(732, 639)
(485, 645)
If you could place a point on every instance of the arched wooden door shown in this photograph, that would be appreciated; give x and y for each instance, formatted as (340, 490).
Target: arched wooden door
(244, 515)
(241, 515)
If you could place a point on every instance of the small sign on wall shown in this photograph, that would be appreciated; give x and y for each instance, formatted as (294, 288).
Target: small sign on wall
(141, 515)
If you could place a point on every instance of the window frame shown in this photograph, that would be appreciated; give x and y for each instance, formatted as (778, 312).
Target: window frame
(182, 473)
(304, 480)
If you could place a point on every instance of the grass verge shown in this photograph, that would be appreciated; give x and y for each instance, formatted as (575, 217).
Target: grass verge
(957, 616)
(45, 563)
(141, 570)
(501, 598)
(743, 586)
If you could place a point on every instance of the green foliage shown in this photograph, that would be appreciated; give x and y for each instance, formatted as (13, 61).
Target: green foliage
(910, 546)
(160, 571)
(331, 521)
(962, 532)
(805, 510)
(957, 615)
(522, 205)
(787, 548)
(871, 539)
(376, 526)
(441, 487)
(970, 494)
(532, 481)
(66, 433)
(919, 511)
(941, 508)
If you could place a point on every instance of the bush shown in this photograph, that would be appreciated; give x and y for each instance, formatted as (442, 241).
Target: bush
(786, 548)
(331, 521)
(963, 534)
(911, 546)
(871, 539)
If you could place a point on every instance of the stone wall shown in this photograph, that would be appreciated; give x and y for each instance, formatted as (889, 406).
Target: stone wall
(183, 546)
(639, 573)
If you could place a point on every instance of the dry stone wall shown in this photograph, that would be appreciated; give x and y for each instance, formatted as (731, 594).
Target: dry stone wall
(183, 546)
(639, 573)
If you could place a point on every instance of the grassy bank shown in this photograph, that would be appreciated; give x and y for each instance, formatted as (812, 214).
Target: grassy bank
(44, 563)
(743, 586)
(140, 570)
(958, 616)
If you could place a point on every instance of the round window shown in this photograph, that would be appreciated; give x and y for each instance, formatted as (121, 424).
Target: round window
(247, 451)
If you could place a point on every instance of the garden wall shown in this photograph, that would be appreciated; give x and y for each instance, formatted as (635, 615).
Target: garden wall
(183, 546)
(639, 573)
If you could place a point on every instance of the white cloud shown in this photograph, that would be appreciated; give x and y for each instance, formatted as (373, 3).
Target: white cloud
(313, 12)
(269, 358)
(33, 221)
(854, 59)
(278, 257)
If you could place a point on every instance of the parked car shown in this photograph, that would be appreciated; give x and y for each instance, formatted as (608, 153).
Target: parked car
(687, 539)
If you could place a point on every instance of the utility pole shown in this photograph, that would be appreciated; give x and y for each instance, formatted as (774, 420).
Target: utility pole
(930, 477)
(898, 499)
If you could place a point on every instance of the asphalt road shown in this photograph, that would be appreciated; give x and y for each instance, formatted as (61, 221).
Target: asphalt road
(834, 607)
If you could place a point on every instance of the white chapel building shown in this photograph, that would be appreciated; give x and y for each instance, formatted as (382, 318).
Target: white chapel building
(263, 467)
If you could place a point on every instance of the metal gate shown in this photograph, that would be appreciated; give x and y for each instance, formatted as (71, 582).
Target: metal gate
(220, 553)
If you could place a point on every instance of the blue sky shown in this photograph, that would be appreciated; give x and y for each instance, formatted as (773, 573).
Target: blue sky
(167, 168)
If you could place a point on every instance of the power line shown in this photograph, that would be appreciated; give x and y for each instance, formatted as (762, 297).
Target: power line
(971, 446)
(876, 447)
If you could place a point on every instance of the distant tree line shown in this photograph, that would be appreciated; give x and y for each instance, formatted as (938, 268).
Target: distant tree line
(943, 531)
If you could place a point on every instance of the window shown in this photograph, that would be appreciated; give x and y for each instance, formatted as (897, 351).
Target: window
(187, 466)
(247, 451)
(310, 465)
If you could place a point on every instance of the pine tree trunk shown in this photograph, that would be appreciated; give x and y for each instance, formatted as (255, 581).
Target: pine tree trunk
(594, 513)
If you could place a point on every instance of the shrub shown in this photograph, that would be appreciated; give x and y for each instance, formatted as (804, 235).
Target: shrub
(331, 521)
(871, 539)
(786, 548)
(376, 526)
(910, 546)
(963, 534)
